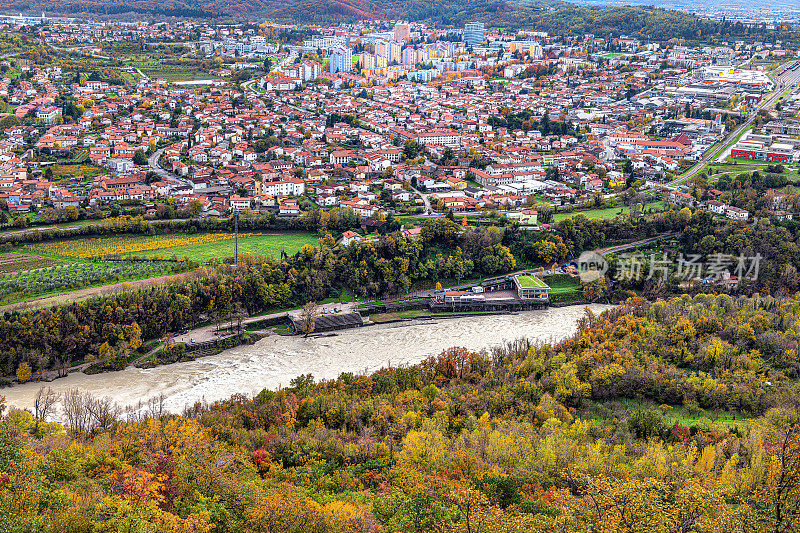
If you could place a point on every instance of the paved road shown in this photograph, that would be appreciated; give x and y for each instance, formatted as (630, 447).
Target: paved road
(610, 249)
(425, 198)
(65, 227)
(164, 174)
(719, 151)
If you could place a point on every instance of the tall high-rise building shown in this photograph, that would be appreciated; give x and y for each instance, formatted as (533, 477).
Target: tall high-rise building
(382, 49)
(395, 52)
(533, 48)
(401, 32)
(341, 60)
(368, 61)
(473, 33)
(410, 56)
(391, 50)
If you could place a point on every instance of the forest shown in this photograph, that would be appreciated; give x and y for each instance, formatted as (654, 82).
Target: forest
(664, 416)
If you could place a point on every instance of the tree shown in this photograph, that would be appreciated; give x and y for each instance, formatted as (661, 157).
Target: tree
(24, 373)
(9, 121)
(308, 318)
(139, 157)
(778, 498)
(595, 290)
(43, 405)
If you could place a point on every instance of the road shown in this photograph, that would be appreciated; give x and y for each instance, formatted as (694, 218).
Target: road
(152, 162)
(721, 149)
(67, 227)
(425, 198)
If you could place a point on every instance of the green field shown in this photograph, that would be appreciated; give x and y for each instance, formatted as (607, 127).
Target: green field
(746, 166)
(562, 283)
(197, 247)
(177, 73)
(266, 244)
(604, 213)
(677, 414)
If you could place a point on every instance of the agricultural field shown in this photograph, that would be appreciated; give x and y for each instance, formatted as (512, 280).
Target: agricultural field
(77, 169)
(17, 262)
(249, 244)
(198, 247)
(57, 278)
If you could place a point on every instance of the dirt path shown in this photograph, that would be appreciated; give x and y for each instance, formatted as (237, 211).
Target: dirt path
(82, 294)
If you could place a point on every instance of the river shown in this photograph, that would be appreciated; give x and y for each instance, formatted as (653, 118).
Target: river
(273, 361)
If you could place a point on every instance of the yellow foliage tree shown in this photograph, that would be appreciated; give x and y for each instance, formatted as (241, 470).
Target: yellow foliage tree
(24, 373)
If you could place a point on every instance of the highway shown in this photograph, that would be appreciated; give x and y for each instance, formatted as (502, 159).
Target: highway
(789, 79)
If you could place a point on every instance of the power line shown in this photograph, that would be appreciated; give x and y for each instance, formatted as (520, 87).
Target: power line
(236, 237)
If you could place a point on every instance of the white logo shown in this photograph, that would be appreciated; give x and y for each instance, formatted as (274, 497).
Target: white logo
(591, 266)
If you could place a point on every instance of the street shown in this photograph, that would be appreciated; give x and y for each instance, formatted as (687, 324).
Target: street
(722, 149)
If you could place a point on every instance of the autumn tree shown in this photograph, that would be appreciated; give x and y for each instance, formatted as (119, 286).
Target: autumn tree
(308, 318)
(24, 373)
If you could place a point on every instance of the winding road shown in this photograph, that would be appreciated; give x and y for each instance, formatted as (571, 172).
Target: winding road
(162, 173)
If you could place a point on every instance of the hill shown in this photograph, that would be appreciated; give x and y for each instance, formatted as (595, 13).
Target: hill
(682, 411)
(548, 15)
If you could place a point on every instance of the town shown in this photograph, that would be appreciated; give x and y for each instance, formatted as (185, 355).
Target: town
(396, 122)
(293, 266)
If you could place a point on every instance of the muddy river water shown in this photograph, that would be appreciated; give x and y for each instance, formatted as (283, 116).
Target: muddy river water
(273, 361)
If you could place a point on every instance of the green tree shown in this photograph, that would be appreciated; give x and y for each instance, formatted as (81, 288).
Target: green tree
(139, 157)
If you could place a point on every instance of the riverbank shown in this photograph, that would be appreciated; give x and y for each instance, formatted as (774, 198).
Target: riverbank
(275, 360)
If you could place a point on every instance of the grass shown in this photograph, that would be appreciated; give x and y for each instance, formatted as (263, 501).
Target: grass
(561, 283)
(198, 247)
(176, 73)
(681, 414)
(389, 302)
(345, 296)
(530, 281)
(745, 166)
(603, 213)
(399, 315)
(263, 244)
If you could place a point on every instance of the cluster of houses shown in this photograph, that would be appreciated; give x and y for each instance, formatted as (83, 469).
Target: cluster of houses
(778, 207)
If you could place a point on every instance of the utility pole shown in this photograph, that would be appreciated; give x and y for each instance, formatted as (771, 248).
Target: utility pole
(236, 237)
